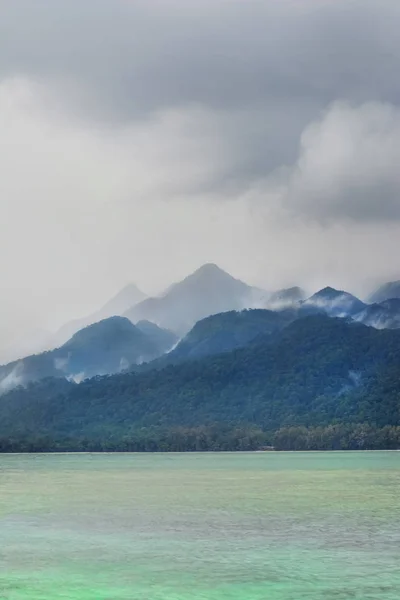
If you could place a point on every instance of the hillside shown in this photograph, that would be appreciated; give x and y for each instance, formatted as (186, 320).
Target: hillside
(227, 331)
(315, 372)
(207, 291)
(109, 346)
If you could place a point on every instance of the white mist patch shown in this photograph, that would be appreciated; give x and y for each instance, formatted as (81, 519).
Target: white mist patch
(13, 379)
(77, 377)
(61, 364)
(378, 319)
(340, 305)
(256, 299)
(282, 304)
(124, 364)
(377, 322)
(355, 380)
(174, 346)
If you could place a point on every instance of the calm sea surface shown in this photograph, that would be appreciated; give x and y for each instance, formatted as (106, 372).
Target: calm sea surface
(262, 526)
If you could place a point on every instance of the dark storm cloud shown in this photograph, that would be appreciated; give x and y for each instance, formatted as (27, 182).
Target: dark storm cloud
(137, 55)
(266, 68)
(281, 60)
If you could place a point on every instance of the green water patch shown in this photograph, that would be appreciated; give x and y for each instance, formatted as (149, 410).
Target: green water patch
(317, 526)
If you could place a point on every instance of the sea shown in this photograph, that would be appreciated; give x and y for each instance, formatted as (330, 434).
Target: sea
(200, 526)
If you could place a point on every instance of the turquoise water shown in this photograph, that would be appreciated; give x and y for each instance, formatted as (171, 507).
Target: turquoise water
(256, 526)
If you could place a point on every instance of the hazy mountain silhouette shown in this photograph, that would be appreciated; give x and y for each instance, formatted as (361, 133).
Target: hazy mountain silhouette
(385, 292)
(286, 298)
(116, 306)
(207, 291)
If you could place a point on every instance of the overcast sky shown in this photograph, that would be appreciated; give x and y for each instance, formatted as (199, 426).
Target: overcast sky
(142, 138)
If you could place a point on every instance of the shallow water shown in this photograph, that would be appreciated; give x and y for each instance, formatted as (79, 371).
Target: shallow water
(256, 526)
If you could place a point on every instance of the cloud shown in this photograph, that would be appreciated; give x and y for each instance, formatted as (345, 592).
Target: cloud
(348, 165)
(13, 379)
(130, 58)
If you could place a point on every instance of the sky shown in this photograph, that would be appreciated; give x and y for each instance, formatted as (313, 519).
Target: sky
(140, 139)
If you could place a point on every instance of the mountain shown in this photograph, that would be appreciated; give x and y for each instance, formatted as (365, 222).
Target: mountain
(207, 291)
(227, 331)
(286, 298)
(108, 346)
(385, 315)
(116, 306)
(335, 303)
(385, 292)
(316, 372)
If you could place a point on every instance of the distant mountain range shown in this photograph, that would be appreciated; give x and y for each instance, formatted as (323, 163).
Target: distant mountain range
(193, 365)
(207, 313)
(210, 290)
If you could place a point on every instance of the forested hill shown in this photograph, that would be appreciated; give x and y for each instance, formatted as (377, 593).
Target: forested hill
(109, 346)
(315, 372)
(224, 332)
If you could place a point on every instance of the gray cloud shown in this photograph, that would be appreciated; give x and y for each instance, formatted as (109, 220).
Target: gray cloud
(140, 56)
(278, 62)
(141, 139)
(348, 165)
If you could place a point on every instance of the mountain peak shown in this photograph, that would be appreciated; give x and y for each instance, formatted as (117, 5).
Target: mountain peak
(124, 299)
(336, 303)
(209, 290)
(209, 271)
(105, 330)
(209, 268)
(328, 292)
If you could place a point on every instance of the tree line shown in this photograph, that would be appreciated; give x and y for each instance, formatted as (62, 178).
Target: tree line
(216, 438)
